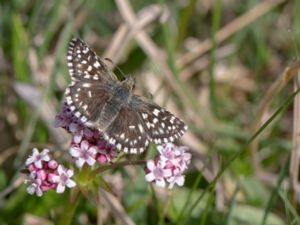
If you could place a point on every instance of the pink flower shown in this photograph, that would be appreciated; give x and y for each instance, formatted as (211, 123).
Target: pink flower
(106, 152)
(157, 173)
(168, 166)
(45, 174)
(34, 185)
(167, 152)
(183, 157)
(83, 154)
(176, 178)
(37, 158)
(63, 179)
(85, 140)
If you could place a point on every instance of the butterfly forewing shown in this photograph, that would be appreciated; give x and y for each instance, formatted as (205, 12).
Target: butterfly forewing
(127, 131)
(84, 64)
(91, 83)
(87, 100)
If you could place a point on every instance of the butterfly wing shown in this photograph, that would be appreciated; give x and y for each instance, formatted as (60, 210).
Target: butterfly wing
(87, 102)
(161, 125)
(85, 65)
(141, 122)
(91, 82)
(127, 132)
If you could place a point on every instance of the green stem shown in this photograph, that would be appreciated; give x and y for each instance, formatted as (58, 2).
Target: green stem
(69, 210)
(84, 175)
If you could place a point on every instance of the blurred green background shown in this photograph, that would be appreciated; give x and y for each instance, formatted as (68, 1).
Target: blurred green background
(218, 65)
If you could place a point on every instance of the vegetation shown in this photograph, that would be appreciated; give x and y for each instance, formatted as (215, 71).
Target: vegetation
(226, 68)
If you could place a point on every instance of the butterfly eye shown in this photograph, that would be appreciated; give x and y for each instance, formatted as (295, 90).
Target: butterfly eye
(129, 83)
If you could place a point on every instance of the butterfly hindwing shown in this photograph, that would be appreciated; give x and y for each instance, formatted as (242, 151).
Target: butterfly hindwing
(127, 132)
(161, 125)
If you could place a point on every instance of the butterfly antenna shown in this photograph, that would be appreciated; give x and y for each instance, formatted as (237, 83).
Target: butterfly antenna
(123, 76)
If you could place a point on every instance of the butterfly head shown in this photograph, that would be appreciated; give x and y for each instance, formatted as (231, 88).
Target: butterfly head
(129, 83)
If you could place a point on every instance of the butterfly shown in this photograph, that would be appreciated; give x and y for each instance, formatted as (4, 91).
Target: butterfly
(127, 121)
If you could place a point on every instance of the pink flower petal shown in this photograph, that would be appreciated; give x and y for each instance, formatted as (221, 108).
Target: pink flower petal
(60, 188)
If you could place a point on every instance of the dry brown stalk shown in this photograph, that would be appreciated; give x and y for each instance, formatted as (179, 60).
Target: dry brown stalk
(294, 162)
(237, 24)
(283, 79)
(264, 176)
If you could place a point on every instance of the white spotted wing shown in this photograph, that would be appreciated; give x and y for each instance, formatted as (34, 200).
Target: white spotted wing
(100, 101)
(142, 122)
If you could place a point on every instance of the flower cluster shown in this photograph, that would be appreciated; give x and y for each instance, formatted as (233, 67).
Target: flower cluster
(88, 145)
(168, 166)
(45, 174)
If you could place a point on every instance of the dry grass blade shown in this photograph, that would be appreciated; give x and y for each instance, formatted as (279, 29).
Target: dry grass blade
(33, 97)
(294, 164)
(203, 62)
(283, 79)
(228, 30)
(157, 56)
(125, 33)
(146, 43)
(115, 207)
(15, 184)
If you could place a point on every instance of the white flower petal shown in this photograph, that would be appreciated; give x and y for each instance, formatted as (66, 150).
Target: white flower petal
(38, 164)
(150, 165)
(55, 179)
(74, 151)
(45, 151)
(70, 183)
(46, 158)
(77, 137)
(79, 162)
(35, 152)
(30, 189)
(39, 192)
(167, 172)
(60, 188)
(160, 182)
(70, 173)
(92, 150)
(171, 185)
(29, 160)
(91, 161)
(84, 145)
(180, 181)
(149, 177)
(60, 169)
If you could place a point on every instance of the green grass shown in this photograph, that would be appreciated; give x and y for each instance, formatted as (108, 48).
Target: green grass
(219, 103)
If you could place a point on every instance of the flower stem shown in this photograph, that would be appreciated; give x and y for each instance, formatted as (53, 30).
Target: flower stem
(84, 175)
(68, 212)
(119, 164)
